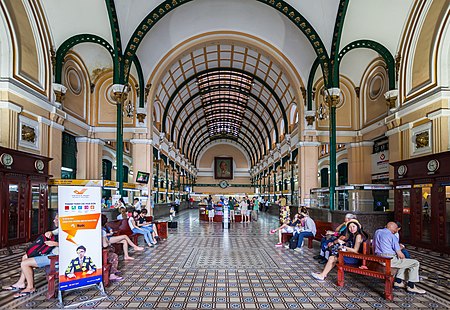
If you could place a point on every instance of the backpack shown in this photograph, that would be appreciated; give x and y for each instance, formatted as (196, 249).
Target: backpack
(293, 242)
(38, 247)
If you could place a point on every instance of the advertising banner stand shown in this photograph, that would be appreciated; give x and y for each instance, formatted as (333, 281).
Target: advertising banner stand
(80, 239)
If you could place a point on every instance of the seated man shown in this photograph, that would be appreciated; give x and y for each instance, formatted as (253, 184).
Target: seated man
(28, 263)
(386, 244)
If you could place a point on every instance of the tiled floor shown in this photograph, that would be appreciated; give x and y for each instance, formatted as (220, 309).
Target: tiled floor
(203, 266)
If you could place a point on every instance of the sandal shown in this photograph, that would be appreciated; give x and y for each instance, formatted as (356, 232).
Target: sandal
(23, 294)
(12, 288)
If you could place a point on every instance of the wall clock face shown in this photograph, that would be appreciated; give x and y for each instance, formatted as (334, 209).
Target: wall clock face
(223, 184)
(39, 164)
(401, 170)
(433, 165)
(6, 159)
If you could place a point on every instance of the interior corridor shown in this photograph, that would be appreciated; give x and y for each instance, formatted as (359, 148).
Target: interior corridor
(201, 265)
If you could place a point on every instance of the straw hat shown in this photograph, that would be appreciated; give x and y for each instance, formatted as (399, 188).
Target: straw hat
(355, 222)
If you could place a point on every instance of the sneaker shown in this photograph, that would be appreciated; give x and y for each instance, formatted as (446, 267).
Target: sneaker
(272, 231)
(286, 246)
(298, 250)
(415, 289)
(399, 285)
(323, 261)
(317, 276)
(279, 245)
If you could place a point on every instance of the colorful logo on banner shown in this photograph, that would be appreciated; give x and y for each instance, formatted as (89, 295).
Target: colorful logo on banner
(80, 243)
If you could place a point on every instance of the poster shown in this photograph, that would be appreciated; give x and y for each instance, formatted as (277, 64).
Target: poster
(80, 246)
(223, 168)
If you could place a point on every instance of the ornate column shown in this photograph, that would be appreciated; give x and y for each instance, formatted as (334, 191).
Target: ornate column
(89, 158)
(332, 98)
(359, 162)
(56, 129)
(307, 159)
(142, 151)
(120, 94)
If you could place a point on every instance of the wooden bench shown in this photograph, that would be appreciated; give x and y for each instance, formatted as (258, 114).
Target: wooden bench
(52, 273)
(372, 266)
(321, 227)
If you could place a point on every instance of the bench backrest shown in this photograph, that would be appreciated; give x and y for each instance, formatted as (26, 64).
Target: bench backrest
(120, 226)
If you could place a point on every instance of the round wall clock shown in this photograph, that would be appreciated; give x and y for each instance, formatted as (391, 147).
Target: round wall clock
(6, 159)
(223, 184)
(39, 165)
(401, 170)
(433, 165)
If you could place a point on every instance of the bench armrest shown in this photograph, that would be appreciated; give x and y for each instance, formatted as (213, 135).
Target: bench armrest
(385, 261)
(53, 262)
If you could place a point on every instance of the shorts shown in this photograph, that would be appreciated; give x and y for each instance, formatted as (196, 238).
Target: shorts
(42, 261)
(210, 213)
(289, 230)
(248, 212)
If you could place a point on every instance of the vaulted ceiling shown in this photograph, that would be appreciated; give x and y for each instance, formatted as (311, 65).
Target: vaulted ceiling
(224, 88)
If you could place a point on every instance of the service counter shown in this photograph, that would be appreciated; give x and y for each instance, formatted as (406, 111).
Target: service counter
(218, 214)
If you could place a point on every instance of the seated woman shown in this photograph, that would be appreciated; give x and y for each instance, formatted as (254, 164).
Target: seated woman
(138, 230)
(354, 238)
(141, 222)
(108, 234)
(287, 227)
(331, 236)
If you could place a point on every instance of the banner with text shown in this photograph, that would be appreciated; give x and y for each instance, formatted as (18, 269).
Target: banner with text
(80, 243)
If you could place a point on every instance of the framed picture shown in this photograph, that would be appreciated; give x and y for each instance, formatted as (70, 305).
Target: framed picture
(223, 168)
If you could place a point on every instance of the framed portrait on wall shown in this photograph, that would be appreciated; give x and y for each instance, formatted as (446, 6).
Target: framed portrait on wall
(223, 168)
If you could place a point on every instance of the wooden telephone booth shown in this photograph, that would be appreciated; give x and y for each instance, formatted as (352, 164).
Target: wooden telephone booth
(422, 201)
(23, 196)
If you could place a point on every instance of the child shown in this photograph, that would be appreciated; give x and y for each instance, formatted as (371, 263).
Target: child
(172, 212)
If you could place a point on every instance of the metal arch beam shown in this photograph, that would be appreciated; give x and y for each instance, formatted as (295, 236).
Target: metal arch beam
(243, 143)
(140, 74)
(230, 120)
(210, 104)
(252, 163)
(335, 45)
(208, 91)
(167, 6)
(309, 89)
(117, 41)
(190, 154)
(204, 116)
(257, 78)
(377, 47)
(75, 40)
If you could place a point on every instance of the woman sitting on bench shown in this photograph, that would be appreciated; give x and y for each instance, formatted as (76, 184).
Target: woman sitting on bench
(287, 227)
(137, 230)
(354, 238)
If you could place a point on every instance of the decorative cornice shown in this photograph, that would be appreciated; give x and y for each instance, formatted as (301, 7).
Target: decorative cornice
(308, 143)
(438, 114)
(89, 140)
(142, 141)
(360, 144)
(10, 106)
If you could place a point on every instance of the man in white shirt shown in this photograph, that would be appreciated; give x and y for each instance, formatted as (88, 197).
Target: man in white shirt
(137, 204)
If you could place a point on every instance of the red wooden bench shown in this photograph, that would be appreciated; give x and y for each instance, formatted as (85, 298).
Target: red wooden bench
(52, 273)
(372, 266)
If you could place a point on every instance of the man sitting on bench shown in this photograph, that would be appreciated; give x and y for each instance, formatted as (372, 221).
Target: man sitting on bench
(29, 263)
(386, 244)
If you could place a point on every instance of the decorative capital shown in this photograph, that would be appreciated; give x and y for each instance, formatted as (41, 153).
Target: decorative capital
(120, 92)
(391, 98)
(332, 96)
(310, 119)
(60, 93)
